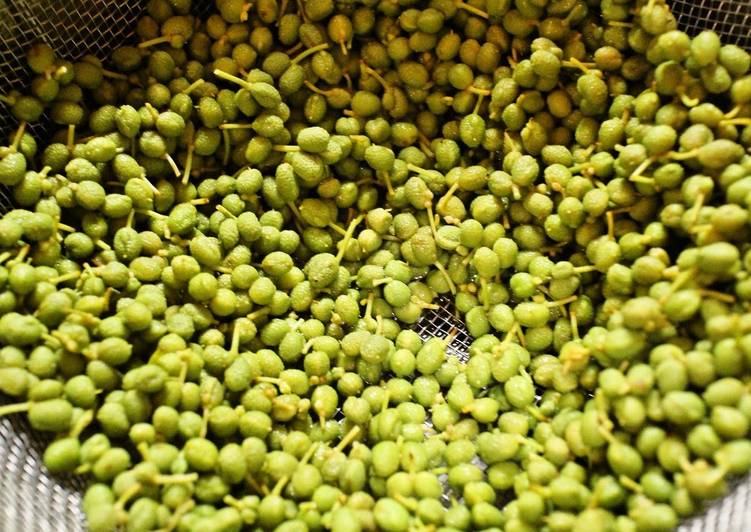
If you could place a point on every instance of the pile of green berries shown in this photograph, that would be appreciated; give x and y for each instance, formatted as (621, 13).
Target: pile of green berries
(209, 285)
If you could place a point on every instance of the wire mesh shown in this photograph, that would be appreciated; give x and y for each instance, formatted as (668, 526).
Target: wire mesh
(73, 28)
(732, 513)
(731, 19)
(442, 322)
(31, 498)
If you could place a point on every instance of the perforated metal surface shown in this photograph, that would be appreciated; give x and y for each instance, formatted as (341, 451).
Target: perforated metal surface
(32, 499)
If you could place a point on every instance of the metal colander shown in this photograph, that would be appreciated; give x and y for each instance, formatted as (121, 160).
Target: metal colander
(31, 499)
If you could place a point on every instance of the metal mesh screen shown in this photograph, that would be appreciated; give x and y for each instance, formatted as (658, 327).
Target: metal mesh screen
(731, 19)
(729, 514)
(73, 28)
(441, 322)
(32, 499)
